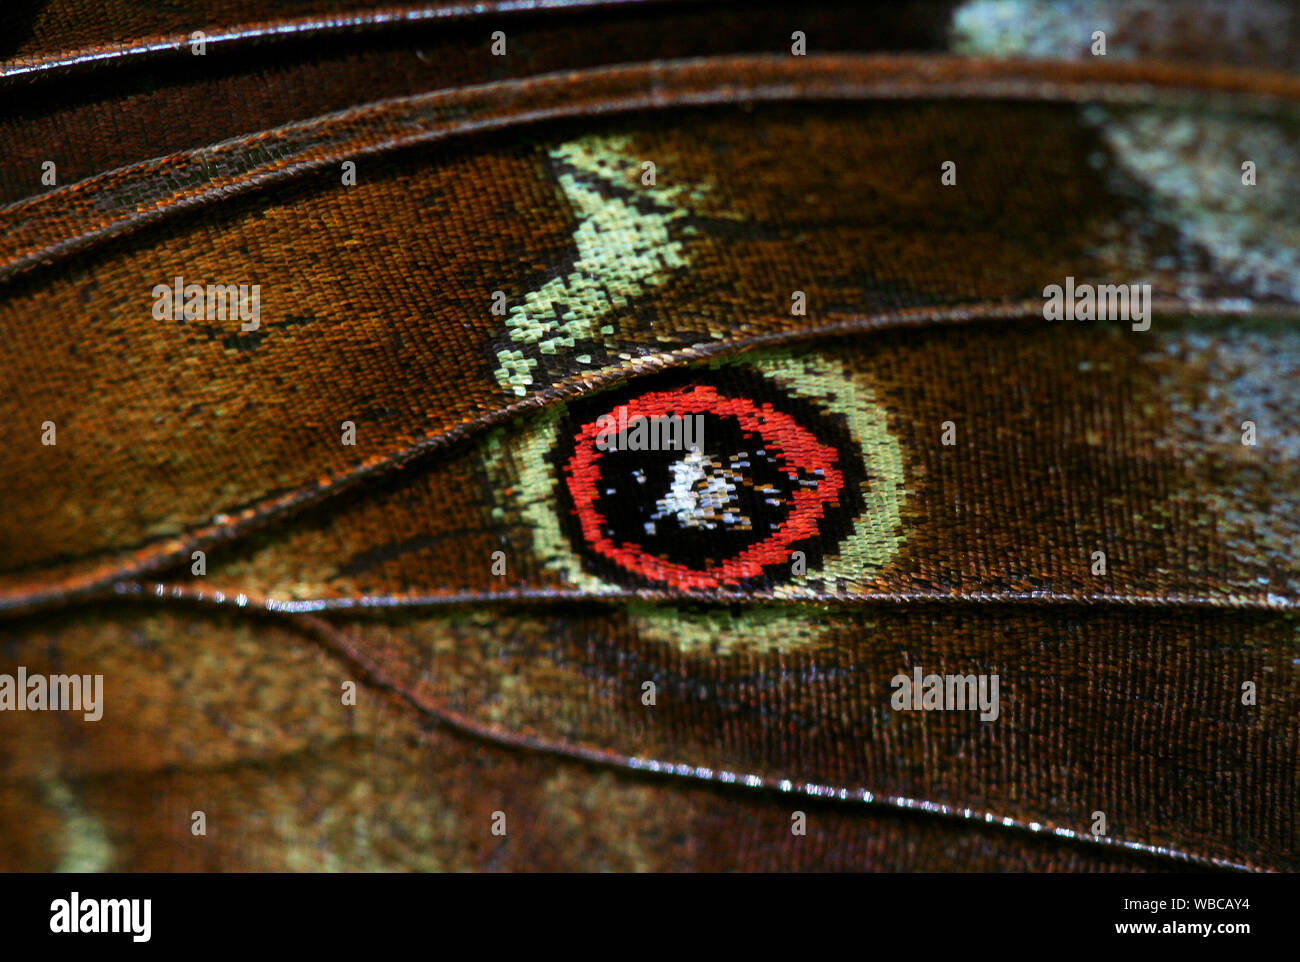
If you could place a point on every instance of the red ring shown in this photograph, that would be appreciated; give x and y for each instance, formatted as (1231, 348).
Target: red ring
(796, 450)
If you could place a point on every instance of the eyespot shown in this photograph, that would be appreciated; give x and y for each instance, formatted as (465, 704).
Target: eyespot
(773, 472)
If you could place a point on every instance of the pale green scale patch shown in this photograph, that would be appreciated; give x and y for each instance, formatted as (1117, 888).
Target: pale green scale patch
(759, 630)
(622, 252)
(1191, 168)
(84, 841)
(1034, 29)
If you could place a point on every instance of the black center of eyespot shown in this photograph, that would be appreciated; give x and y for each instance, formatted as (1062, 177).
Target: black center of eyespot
(700, 506)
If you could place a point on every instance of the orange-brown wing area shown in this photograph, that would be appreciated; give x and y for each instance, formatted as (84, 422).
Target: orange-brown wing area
(361, 588)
